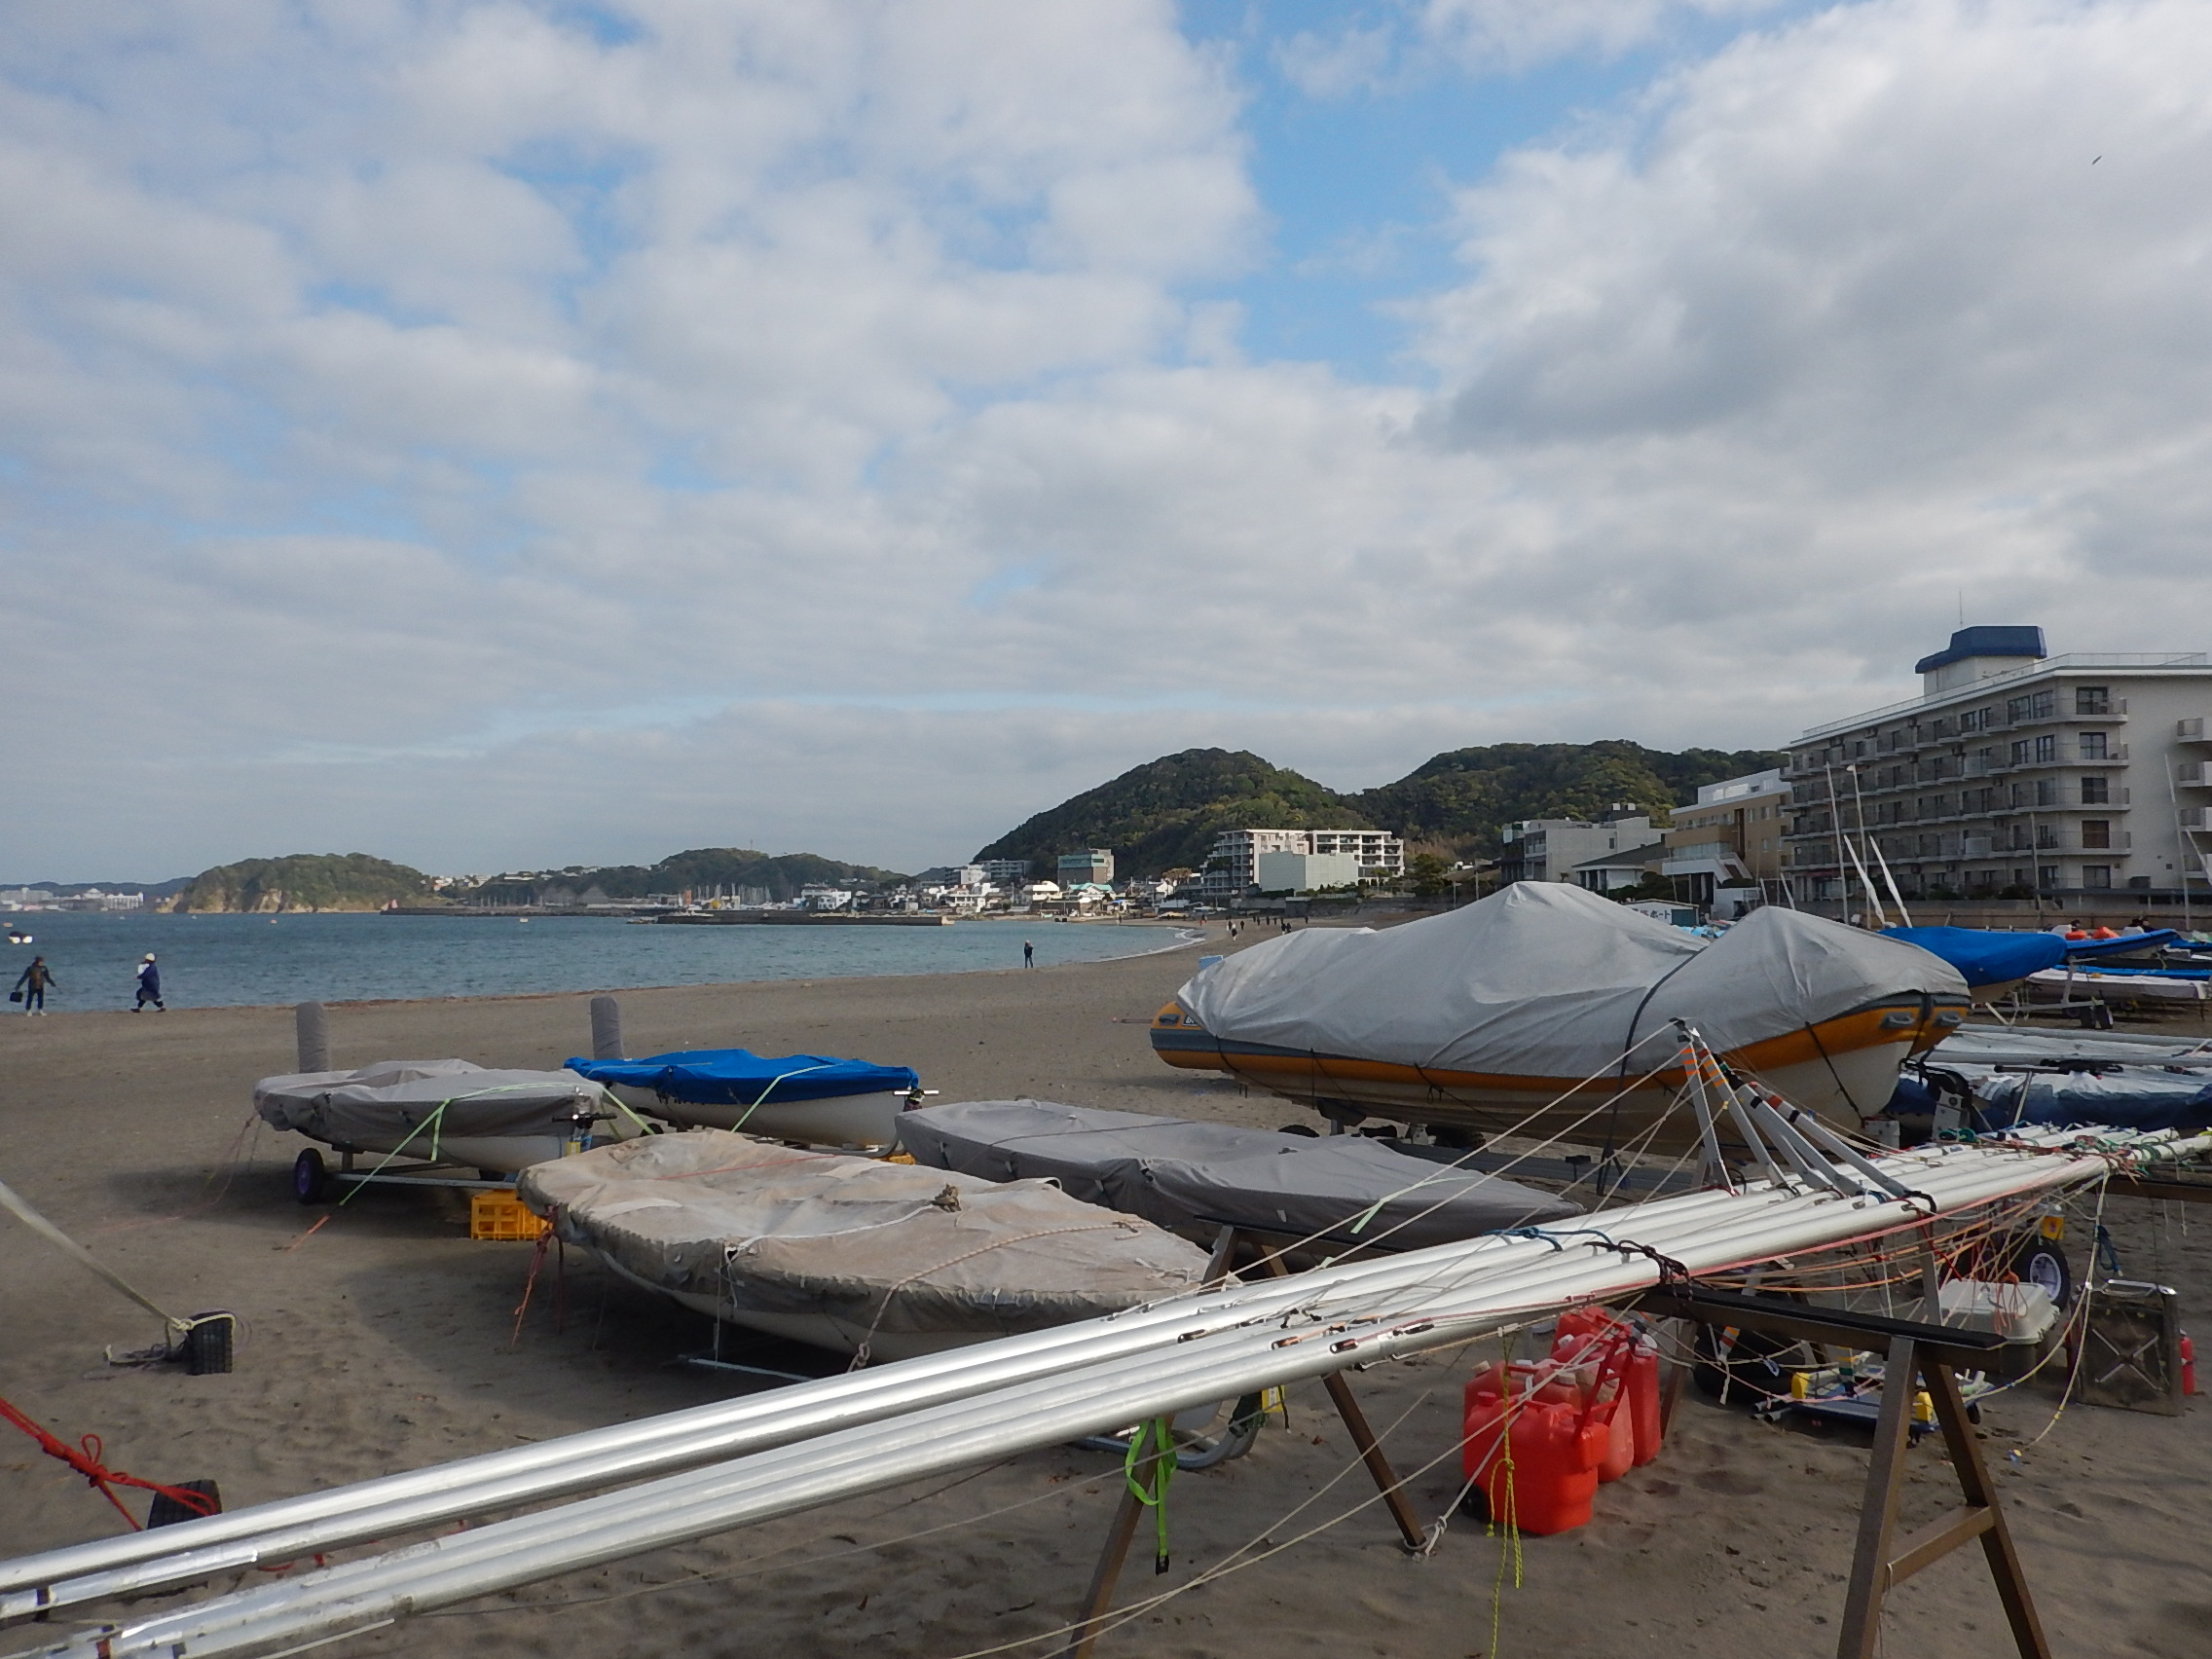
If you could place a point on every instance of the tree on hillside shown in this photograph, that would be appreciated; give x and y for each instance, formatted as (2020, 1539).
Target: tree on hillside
(1167, 812)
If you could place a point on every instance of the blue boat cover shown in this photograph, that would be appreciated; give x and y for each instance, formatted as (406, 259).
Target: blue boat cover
(738, 1077)
(2126, 944)
(1986, 956)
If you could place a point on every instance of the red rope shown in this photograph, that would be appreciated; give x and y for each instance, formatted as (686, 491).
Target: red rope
(85, 1459)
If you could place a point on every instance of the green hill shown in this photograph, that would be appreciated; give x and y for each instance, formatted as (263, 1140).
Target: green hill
(702, 870)
(303, 881)
(1458, 799)
(1166, 813)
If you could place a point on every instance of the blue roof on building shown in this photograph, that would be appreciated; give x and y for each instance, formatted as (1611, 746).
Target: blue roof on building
(1984, 642)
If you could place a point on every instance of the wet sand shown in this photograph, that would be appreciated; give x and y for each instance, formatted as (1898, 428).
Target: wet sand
(387, 1340)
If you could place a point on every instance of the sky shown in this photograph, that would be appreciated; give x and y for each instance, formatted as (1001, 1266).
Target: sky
(494, 436)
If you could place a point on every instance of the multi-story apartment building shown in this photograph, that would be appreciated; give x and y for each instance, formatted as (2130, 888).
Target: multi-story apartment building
(2013, 774)
(1232, 865)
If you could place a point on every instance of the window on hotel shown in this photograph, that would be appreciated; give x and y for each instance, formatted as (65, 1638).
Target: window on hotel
(2096, 831)
(2047, 876)
(2047, 747)
(2096, 790)
(2047, 836)
(2092, 700)
(2042, 705)
(2097, 876)
(2015, 709)
(2093, 746)
(2020, 753)
(2046, 792)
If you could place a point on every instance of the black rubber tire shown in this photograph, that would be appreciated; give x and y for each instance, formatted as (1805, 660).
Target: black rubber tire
(2036, 1260)
(494, 1176)
(1306, 1129)
(310, 1177)
(1457, 1136)
(1474, 1504)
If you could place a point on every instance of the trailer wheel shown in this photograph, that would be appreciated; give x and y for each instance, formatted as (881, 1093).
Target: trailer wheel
(1306, 1129)
(311, 1179)
(2039, 1262)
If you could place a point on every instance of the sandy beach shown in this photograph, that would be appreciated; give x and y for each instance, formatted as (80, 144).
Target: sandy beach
(387, 1339)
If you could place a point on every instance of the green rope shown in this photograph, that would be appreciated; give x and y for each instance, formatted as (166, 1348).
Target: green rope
(1155, 1498)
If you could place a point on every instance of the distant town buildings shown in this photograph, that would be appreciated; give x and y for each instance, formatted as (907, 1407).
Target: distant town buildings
(1232, 865)
(2013, 774)
(85, 898)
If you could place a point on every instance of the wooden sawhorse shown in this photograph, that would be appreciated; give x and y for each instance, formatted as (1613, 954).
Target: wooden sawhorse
(1915, 1354)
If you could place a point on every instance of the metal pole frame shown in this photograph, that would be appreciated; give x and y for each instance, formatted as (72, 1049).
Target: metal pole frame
(1122, 1532)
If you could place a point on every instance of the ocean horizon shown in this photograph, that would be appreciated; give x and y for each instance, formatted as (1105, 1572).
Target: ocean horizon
(244, 961)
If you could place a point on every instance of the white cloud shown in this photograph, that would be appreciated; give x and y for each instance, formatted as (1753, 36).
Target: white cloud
(450, 430)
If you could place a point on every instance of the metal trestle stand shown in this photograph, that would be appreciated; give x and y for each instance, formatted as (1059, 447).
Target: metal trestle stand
(1145, 1477)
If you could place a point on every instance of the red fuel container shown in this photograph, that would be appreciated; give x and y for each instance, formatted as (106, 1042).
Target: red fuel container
(1546, 1483)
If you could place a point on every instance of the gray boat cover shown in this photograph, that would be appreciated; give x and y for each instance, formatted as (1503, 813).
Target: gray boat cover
(889, 1246)
(348, 1108)
(1548, 980)
(1189, 1175)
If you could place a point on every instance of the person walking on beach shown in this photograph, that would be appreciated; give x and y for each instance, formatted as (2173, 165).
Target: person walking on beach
(1028, 954)
(149, 986)
(30, 986)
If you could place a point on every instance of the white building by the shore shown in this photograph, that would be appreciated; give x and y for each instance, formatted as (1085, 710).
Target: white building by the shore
(1232, 865)
(2014, 774)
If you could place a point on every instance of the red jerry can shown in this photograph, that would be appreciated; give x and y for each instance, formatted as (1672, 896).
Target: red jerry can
(1535, 1463)
(1644, 1412)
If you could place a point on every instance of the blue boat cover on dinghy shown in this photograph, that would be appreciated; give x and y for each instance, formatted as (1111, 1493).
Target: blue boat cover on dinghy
(1987, 956)
(2126, 944)
(738, 1077)
(2135, 1099)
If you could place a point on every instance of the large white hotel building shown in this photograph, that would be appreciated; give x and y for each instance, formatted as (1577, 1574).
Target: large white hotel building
(2015, 774)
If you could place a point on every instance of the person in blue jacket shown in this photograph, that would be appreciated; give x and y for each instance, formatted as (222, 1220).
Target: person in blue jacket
(150, 987)
(30, 986)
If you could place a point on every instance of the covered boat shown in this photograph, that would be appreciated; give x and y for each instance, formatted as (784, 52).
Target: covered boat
(851, 1253)
(1195, 1177)
(1991, 961)
(1488, 1015)
(441, 1112)
(814, 1098)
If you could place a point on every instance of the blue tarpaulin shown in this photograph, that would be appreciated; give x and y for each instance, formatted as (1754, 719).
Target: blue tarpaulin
(2134, 1099)
(1986, 956)
(2126, 944)
(738, 1077)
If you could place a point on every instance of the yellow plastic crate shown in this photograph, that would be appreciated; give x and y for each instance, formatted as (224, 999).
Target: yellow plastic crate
(503, 1215)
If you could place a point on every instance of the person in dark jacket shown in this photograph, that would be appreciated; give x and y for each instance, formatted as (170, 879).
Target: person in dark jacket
(150, 987)
(31, 983)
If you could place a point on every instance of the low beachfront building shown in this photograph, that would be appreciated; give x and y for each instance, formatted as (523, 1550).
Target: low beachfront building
(2013, 774)
(1232, 867)
(1554, 849)
(1305, 873)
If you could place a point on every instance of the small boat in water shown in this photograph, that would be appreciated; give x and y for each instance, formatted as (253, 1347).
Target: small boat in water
(436, 1114)
(816, 1099)
(1486, 1017)
(849, 1253)
(1196, 1177)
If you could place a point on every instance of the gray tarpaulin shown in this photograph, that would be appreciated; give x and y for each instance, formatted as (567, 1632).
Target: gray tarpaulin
(1188, 1175)
(766, 1228)
(397, 1096)
(1548, 980)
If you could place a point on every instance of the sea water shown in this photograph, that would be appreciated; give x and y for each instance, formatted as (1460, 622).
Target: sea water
(213, 961)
